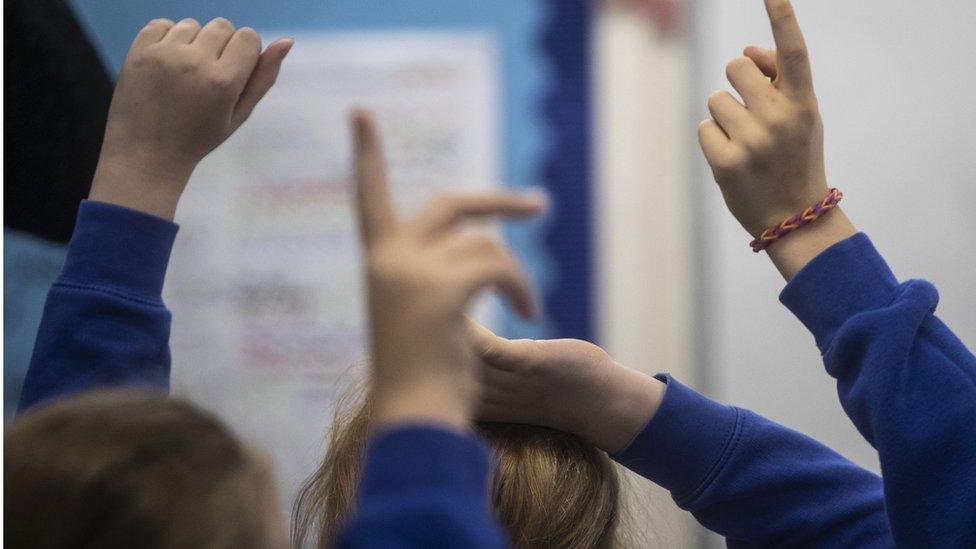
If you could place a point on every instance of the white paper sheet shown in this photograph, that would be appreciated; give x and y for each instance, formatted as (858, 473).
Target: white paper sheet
(264, 281)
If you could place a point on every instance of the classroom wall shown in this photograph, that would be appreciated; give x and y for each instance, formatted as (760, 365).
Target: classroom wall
(642, 208)
(895, 81)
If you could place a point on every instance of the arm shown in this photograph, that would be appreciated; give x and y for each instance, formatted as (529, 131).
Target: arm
(742, 476)
(104, 322)
(426, 486)
(905, 380)
(757, 483)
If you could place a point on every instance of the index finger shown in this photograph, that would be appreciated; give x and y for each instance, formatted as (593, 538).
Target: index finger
(449, 210)
(373, 204)
(792, 56)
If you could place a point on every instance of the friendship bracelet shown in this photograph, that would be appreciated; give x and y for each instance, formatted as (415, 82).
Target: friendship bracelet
(808, 216)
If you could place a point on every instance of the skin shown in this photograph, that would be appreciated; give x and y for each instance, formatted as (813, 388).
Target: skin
(569, 385)
(767, 157)
(183, 90)
(767, 152)
(421, 275)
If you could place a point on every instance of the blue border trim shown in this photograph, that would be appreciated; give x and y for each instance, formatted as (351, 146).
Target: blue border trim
(566, 169)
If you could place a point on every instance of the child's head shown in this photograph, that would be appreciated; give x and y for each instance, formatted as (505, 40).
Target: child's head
(549, 489)
(131, 469)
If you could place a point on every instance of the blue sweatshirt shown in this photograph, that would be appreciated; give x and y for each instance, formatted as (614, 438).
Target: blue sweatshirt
(905, 380)
(742, 476)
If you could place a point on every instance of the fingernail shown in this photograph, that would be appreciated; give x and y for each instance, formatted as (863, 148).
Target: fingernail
(537, 195)
(290, 42)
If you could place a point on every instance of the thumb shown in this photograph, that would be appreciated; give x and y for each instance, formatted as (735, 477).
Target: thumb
(484, 342)
(764, 58)
(497, 350)
(261, 80)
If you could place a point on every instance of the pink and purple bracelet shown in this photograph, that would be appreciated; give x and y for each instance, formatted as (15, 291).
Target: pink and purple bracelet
(808, 216)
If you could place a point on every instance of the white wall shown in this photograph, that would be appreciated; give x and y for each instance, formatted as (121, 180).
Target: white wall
(643, 206)
(679, 288)
(896, 83)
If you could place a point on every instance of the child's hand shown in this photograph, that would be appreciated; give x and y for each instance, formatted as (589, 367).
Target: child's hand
(421, 275)
(569, 385)
(768, 155)
(182, 91)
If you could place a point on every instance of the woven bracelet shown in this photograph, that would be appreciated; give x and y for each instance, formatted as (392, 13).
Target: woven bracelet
(806, 217)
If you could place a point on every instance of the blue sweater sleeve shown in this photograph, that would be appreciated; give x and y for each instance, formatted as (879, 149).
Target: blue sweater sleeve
(757, 483)
(104, 322)
(905, 380)
(423, 487)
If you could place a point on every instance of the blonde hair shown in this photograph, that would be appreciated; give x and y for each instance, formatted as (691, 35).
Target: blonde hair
(548, 489)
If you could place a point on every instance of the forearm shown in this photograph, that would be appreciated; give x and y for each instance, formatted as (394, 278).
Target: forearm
(140, 182)
(628, 402)
(908, 384)
(753, 481)
(436, 401)
(104, 322)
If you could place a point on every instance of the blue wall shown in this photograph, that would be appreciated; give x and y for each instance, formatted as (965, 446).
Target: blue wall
(528, 138)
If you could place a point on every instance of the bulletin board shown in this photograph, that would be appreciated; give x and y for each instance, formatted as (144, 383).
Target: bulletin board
(508, 84)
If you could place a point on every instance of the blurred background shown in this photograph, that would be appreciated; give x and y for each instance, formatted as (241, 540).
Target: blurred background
(595, 101)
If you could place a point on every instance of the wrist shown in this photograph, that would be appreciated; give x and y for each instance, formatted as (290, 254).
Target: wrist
(422, 402)
(795, 250)
(628, 403)
(141, 184)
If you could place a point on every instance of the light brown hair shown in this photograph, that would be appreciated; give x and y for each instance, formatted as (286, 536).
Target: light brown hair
(548, 489)
(133, 469)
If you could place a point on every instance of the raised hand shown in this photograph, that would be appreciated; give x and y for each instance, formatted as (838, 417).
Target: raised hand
(569, 385)
(182, 91)
(421, 276)
(767, 154)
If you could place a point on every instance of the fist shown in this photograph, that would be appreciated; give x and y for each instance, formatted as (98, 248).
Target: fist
(184, 89)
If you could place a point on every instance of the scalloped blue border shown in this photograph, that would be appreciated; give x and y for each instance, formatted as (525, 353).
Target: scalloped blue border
(566, 170)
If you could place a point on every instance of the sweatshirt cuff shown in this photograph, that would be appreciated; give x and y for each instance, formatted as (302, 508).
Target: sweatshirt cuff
(119, 248)
(848, 278)
(686, 442)
(411, 459)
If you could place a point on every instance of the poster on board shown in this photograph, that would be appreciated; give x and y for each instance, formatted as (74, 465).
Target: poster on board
(265, 277)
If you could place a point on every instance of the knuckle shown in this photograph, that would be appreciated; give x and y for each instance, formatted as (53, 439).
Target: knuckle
(702, 131)
(737, 65)
(593, 353)
(808, 112)
(447, 203)
(180, 64)
(734, 161)
(249, 34)
(716, 99)
(485, 244)
(794, 56)
(221, 81)
(145, 59)
(780, 123)
(760, 142)
(159, 22)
